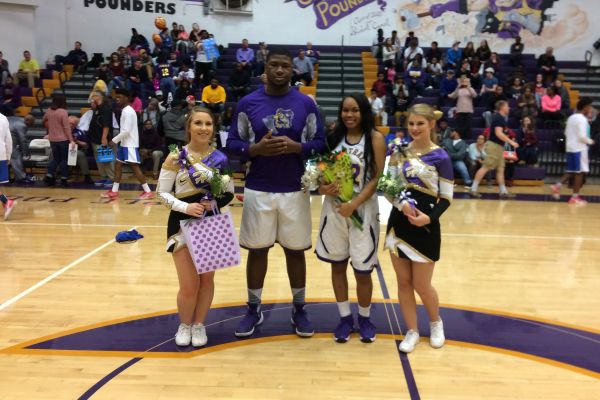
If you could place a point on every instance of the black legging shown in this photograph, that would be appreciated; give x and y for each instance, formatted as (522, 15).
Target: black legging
(463, 124)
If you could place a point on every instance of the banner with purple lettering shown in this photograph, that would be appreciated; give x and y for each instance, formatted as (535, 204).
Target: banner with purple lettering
(328, 12)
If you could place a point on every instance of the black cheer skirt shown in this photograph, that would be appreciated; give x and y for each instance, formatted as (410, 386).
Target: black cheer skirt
(420, 242)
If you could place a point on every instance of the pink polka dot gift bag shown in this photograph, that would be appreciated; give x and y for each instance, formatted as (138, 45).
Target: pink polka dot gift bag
(212, 242)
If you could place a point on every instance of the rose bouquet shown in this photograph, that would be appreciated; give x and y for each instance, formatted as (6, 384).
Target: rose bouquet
(202, 176)
(335, 167)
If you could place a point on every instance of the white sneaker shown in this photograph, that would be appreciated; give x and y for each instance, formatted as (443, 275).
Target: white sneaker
(410, 341)
(199, 338)
(183, 337)
(436, 337)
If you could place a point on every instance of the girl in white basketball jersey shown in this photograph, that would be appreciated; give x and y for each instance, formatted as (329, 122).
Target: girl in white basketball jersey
(339, 240)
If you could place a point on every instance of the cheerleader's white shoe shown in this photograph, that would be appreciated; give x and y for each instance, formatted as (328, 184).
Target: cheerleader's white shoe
(410, 341)
(437, 338)
(199, 338)
(183, 337)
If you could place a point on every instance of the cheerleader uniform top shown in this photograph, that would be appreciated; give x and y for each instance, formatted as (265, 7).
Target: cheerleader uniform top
(430, 178)
(176, 190)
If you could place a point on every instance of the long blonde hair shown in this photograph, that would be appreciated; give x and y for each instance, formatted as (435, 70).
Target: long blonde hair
(429, 113)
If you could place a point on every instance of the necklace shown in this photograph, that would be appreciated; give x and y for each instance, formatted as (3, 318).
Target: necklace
(420, 152)
(201, 155)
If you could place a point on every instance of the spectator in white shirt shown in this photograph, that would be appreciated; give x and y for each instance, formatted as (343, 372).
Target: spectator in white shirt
(186, 74)
(378, 110)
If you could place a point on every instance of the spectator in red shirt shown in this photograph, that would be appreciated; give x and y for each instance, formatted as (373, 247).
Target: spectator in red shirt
(528, 151)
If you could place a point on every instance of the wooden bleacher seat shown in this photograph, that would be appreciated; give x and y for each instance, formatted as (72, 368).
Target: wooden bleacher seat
(22, 111)
(309, 90)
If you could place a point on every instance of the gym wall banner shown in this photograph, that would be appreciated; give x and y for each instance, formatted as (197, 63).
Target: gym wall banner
(146, 6)
(328, 12)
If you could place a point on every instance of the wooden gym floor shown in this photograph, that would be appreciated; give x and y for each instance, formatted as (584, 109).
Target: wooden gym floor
(84, 317)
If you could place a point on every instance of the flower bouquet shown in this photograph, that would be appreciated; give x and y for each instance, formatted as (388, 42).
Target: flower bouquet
(202, 176)
(335, 167)
(393, 184)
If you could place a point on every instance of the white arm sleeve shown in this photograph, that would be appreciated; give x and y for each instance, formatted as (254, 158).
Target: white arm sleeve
(164, 188)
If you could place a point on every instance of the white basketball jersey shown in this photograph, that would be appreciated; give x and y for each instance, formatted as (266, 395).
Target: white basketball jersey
(357, 155)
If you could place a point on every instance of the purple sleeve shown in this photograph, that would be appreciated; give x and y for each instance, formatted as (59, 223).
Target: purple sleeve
(445, 168)
(316, 131)
(235, 144)
(437, 10)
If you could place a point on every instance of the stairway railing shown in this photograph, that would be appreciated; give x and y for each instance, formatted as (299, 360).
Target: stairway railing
(342, 69)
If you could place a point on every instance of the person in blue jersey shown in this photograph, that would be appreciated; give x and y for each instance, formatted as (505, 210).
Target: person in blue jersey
(339, 239)
(276, 128)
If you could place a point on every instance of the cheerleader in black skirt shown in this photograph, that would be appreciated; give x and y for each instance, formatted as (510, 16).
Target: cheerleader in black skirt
(413, 231)
(187, 199)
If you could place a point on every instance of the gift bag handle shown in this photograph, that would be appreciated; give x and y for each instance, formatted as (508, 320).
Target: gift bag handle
(213, 208)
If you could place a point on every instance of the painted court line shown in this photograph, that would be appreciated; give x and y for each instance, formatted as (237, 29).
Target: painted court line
(82, 225)
(61, 271)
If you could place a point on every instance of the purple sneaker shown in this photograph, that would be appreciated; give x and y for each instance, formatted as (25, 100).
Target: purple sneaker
(344, 329)
(366, 330)
(300, 320)
(253, 318)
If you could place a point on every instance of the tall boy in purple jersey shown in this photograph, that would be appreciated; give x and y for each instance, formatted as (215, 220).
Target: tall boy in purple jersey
(277, 128)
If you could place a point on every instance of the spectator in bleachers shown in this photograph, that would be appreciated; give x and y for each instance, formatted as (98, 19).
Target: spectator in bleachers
(378, 44)
(261, 57)
(312, 53)
(29, 69)
(378, 109)
(175, 62)
(151, 147)
(137, 105)
(464, 95)
(152, 112)
(204, 64)
(435, 72)
(447, 86)
(468, 52)
(410, 38)
(493, 62)
(419, 61)
(125, 58)
(214, 96)
(239, 82)
(516, 52)
(83, 146)
(380, 86)
(477, 72)
(397, 45)
(10, 97)
(415, 77)
(444, 131)
(388, 54)
(164, 74)
(4, 70)
(488, 85)
(510, 163)
(400, 103)
(527, 103)
(227, 118)
(103, 74)
(565, 99)
(183, 40)
(516, 89)
(174, 31)
(539, 89)
(302, 69)
(457, 150)
(528, 151)
(166, 42)
(100, 132)
(547, 65)
(483, 51)
(490, 104)
(138, 40)
(173, 124)
(454, 56)
(476, 154)
(56, 120)
(147, 62)
(182, 92)
(245, 56)
(137, 78)
(186, 74)
(551, 105)
(196, 33)
(411, 52)
(76, 57)
(434, 52)
(20, 152)
(465, 69)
